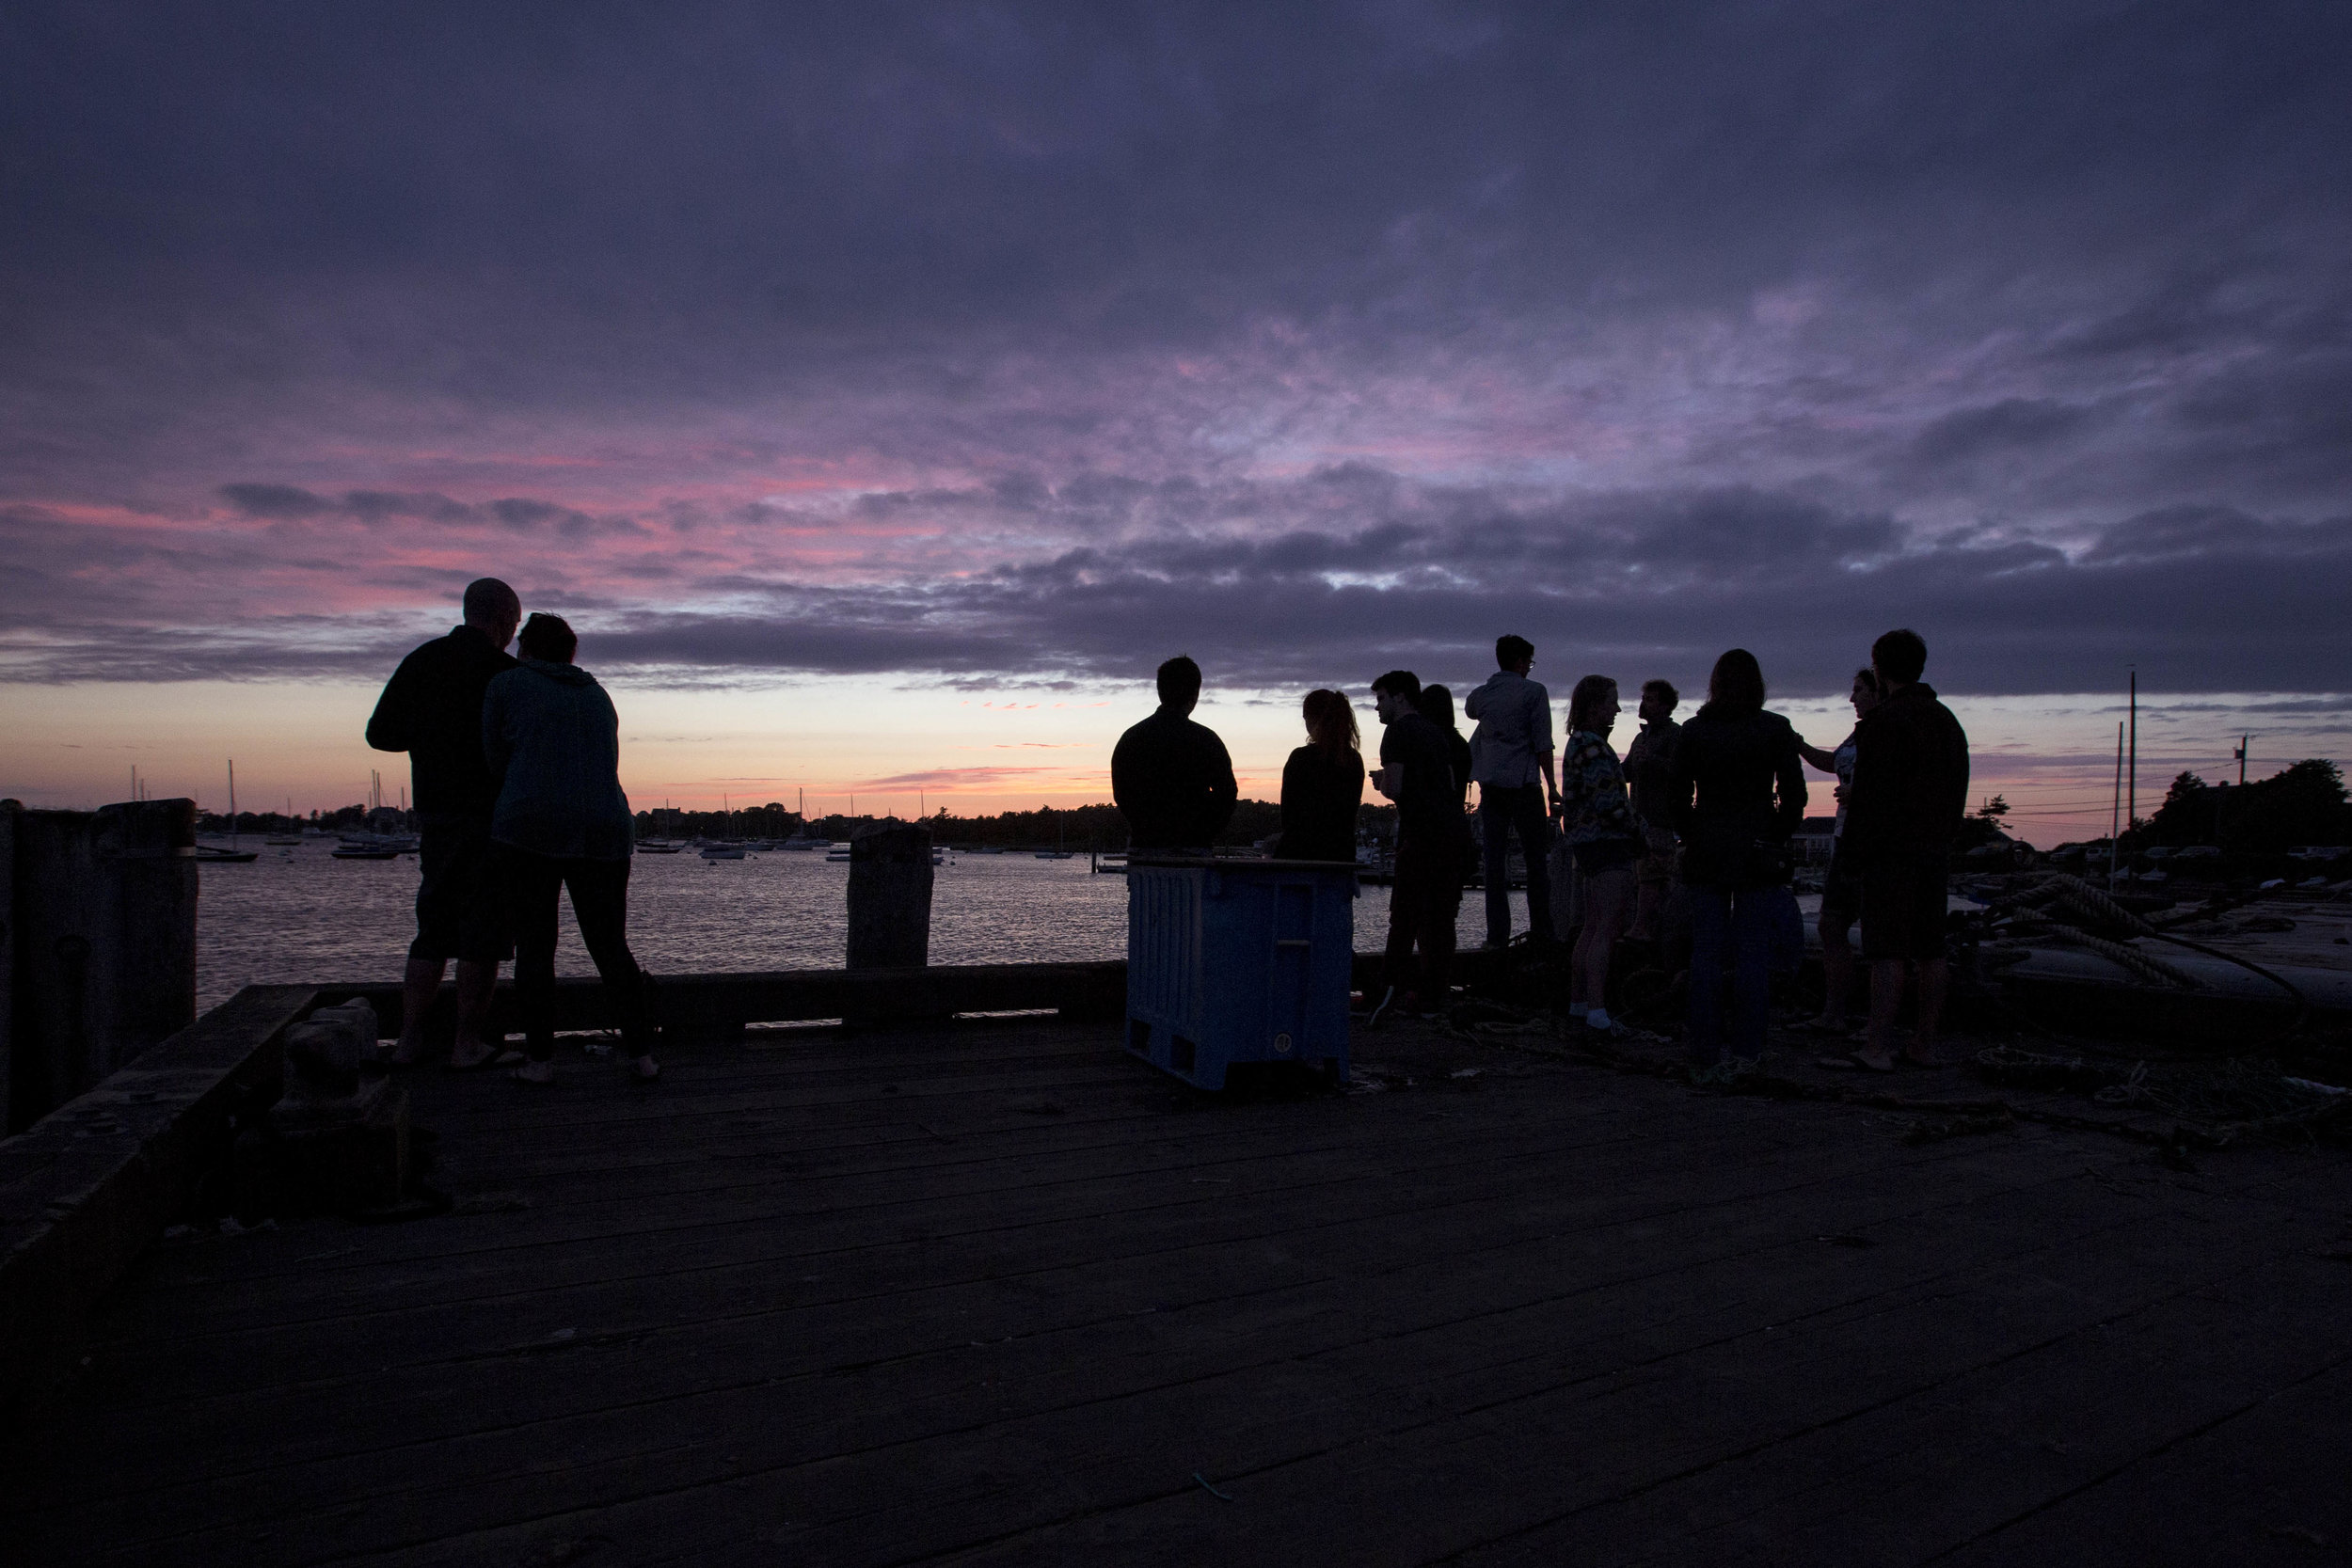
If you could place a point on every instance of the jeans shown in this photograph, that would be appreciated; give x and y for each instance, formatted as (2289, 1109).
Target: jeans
(599, 892)
(1423, 904)
(1499, 813)
(1735, 930)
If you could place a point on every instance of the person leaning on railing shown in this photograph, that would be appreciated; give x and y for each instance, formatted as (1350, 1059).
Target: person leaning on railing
(552, 738)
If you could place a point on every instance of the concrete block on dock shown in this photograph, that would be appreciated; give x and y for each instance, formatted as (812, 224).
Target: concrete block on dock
(340, 1130)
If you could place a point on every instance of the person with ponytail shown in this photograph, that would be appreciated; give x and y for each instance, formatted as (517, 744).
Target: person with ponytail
(1323, 784)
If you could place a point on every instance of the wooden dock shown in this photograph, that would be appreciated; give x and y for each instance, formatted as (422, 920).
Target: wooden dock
(992, 1291)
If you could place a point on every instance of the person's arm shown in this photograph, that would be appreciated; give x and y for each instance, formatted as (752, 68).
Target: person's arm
(1122, 781)
(1224, 793)
(496, 746)
(1679, 785)
(1384, 778)
(1614, 810)
(1956, 810)
(1791, 768)
(1824, 760)
(393, 726)
(1539, 740)
(1296, 808)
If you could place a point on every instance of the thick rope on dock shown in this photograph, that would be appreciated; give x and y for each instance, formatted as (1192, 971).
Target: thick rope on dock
(2075, 914)
(2146, 966)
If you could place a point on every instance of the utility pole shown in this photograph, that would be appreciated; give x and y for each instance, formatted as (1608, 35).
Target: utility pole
(2242, 743)
(2114, 830)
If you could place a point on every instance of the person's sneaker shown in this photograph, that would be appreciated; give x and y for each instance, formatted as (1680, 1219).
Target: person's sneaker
(534, 1072)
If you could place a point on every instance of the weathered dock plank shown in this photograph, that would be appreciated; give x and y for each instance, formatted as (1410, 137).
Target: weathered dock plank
(997, 1291)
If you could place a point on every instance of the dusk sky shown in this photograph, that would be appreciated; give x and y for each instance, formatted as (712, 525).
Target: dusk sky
(883, 391)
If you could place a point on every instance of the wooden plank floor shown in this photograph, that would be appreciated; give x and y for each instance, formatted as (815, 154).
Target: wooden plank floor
(995, 1292)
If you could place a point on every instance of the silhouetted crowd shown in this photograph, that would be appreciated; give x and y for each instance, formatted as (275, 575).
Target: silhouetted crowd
(1679, 850)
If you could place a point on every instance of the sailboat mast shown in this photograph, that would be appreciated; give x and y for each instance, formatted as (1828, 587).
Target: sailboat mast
(233, 803)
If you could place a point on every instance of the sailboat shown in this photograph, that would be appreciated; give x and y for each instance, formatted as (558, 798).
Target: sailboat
(235, 854)
(287, 843)
(1058, 852)
(807, 837)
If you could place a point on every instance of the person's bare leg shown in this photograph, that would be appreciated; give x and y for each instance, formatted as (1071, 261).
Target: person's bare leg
(1887, 1000)
(1609, 901)
(1649, 902)
(1935, 975)
(477, 986)
(418, 985)
(1836, 973)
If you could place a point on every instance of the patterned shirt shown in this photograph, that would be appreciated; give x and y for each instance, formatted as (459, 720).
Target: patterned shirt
(1592, 790)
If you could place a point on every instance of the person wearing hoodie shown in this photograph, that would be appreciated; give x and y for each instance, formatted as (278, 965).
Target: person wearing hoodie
(552, 741)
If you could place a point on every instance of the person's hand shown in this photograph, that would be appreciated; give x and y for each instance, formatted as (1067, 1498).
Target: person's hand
(1379, 777)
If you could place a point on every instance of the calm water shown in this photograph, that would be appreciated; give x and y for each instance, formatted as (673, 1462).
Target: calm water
(299, 915)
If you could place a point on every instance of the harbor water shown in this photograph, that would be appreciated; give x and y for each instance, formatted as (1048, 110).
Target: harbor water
(298, 915)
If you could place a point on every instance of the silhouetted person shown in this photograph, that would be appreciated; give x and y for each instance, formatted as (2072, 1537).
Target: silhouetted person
(1841, 889)
(1432, 842)
(1738, 795)
(1649, 773)
(1436, 703)
(562, 824)
(1323, 784)
(1604, 838)
(432, 709)
(1910, 792)
(1169, 776)
(1511, 760)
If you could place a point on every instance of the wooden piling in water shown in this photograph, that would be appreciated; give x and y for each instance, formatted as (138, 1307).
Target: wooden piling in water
(890, 898)
(103, 960)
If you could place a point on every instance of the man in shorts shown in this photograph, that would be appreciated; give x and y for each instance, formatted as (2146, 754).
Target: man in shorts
(1908, 793)
(432, 709)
